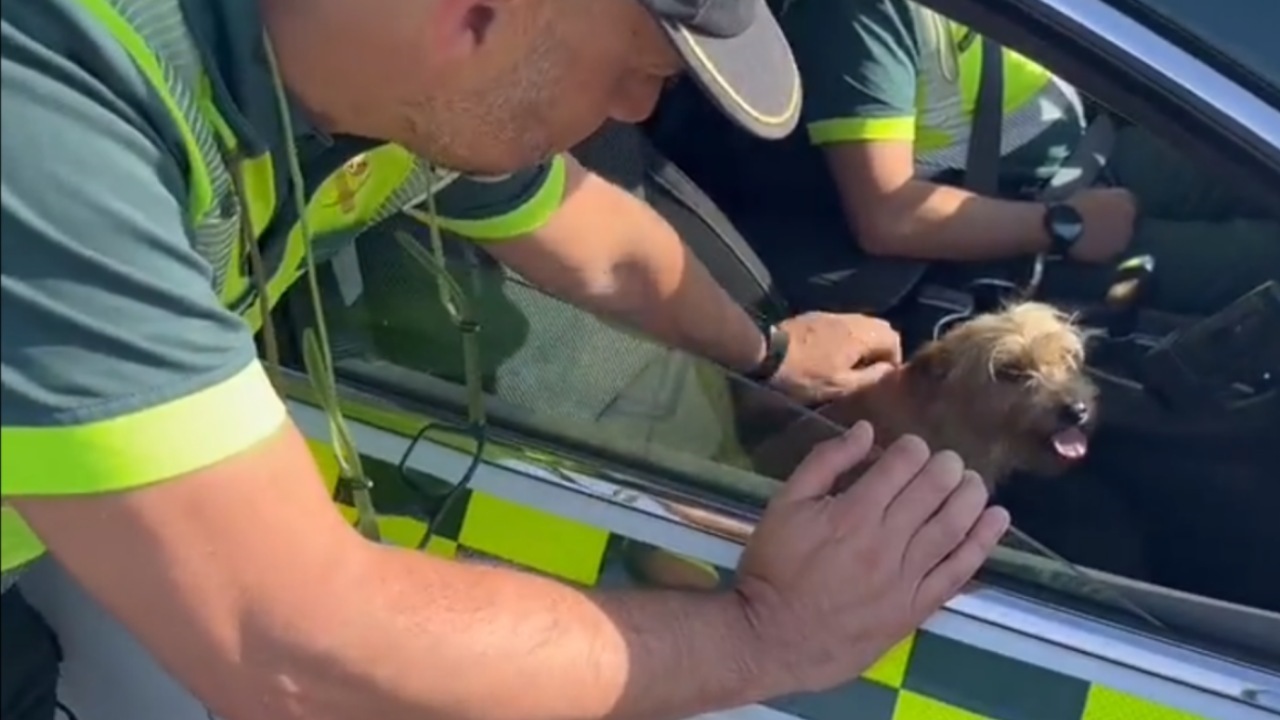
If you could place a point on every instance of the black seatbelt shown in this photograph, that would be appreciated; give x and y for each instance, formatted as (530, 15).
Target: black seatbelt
(982, 170)
(982, 167)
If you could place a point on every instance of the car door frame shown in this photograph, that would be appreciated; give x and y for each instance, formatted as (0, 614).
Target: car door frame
(584, 489)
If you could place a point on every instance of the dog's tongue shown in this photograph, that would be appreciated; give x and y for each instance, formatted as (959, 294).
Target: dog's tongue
(1071, 443)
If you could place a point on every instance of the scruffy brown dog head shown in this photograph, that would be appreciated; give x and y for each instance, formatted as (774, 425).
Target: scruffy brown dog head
(1007, 391)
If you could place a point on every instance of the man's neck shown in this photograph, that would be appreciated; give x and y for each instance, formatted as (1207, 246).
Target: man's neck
(314, 70)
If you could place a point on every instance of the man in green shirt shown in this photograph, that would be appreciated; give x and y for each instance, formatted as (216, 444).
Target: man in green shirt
(889, 94)
(161, 153)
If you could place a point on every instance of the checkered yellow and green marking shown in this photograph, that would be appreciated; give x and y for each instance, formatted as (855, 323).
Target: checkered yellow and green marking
(481, 525)
(925, 677)
(931, 677)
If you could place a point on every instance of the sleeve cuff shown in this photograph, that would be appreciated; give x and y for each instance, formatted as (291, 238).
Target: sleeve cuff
(521, 220)
(838, 130)
(144, 447)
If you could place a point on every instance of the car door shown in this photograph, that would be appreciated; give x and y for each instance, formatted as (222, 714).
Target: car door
(596, 442)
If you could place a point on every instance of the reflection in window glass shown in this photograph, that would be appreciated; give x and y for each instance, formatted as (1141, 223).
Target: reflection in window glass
(537, 353)
(1242, 30)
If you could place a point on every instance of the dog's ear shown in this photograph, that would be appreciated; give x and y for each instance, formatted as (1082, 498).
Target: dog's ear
(930, 363)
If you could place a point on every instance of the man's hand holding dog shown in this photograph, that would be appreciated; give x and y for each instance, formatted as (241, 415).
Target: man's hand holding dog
(830, 583)
(831, 355)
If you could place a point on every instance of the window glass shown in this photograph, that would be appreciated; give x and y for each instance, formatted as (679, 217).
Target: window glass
(565, 376)
(1240, 30)
(549, 360)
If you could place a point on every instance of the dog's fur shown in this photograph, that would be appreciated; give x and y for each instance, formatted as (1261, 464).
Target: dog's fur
(997, 389)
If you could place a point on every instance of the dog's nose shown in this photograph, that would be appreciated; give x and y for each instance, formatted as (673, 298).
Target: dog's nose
(1075, 413)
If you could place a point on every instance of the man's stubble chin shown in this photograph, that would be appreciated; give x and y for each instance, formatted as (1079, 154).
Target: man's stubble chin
(476, 140)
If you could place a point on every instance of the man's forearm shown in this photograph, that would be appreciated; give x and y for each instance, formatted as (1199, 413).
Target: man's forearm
(613, 255)
(665, 291)
(413, 637)
(941, 222)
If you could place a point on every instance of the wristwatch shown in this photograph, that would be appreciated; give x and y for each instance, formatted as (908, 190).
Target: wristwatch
(776, 341)
(1064, 225)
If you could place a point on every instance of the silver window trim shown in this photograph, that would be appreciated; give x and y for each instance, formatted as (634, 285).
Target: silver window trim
(1146, 47)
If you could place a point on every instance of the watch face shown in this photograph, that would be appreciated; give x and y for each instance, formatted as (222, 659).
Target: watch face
(1065, 223)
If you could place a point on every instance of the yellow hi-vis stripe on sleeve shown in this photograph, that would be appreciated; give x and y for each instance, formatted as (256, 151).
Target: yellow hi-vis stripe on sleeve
(838, 130)
(143, 447)
(527, 218)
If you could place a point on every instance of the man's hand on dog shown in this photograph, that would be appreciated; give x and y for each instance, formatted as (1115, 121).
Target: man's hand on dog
(832, 355)
(831, 582)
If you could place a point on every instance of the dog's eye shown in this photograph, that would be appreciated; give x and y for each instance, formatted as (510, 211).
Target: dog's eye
(1010, 373)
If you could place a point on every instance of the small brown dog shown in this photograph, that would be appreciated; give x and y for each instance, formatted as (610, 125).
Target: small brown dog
(1007, 391)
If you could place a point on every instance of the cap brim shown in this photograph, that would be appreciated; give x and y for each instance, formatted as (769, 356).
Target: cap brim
(751, 77)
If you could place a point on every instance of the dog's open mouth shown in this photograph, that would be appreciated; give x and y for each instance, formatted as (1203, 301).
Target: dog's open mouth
(1071, 444)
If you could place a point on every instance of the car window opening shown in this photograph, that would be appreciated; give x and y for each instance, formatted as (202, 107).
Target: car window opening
(1178, 490)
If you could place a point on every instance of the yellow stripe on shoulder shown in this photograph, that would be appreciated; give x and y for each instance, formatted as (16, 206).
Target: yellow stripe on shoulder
(106, 14)
(154, 444)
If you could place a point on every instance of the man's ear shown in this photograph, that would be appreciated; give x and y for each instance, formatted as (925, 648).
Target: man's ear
(460, 27)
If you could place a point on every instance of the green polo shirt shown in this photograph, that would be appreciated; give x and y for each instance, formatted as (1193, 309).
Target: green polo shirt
(120, 365)
(876, 70)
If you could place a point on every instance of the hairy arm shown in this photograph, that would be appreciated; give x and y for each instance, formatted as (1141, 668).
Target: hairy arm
(609, 253)
(859, 60)
(145, 447)
(293, 615)
(894, 214)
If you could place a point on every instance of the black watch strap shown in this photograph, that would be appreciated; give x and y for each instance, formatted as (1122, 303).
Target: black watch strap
(1064, 226)
(775, 352)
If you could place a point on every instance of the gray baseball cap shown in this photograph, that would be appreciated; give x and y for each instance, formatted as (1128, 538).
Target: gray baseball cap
(738, 54)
